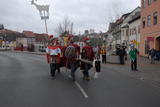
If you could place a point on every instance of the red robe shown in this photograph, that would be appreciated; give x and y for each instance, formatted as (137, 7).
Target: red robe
(89, 54)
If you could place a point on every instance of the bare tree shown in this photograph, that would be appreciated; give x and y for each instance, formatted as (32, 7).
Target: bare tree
(114, 12)
(60, 29)
(65, 27)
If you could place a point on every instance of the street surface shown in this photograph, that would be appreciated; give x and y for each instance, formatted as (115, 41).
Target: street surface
(25, 82)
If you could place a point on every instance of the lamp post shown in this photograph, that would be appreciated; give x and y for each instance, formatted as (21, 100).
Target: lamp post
(44, 14)
(43, 11)
(45, 17)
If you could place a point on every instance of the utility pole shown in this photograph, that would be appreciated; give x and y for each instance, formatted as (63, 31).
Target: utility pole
(72, 28)
(45, 21)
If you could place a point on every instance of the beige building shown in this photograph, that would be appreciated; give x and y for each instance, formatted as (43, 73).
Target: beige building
(150, 26)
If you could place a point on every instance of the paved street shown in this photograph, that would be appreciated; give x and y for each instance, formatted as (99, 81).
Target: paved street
(25, 82)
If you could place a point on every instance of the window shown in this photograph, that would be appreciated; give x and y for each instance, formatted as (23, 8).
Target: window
(155, 18)
(127, 32)
(132, 31)
(149, 2)
(135, 31)
(149, 20)
(122, 32)
(139, 29)
(144, 3)
(143, 23)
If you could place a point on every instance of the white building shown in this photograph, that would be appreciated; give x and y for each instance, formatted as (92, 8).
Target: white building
(134, 26)
(125, 27)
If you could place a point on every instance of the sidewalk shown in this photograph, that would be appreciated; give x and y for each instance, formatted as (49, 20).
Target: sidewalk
(149, 73)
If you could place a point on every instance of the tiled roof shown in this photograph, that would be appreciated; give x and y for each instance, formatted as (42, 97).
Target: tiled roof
(41, 37)
(29, 34)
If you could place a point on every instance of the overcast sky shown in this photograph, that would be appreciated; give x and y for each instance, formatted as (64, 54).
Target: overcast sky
(20, 15)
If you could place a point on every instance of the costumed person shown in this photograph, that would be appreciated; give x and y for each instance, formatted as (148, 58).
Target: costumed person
(133, 56)
(87, 54)
(57, 44)
(72, 53)
(53, 56)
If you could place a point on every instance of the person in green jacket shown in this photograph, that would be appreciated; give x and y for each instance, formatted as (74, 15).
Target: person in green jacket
(133, 56)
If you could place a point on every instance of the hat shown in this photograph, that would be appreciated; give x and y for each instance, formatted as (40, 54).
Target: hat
(53, 39)
(70, 38)
(86, 40)
(51, 36)
(132, 46)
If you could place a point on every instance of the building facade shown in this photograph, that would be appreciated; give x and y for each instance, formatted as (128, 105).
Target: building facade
(8, 38)
(117, 31)
(134, 29)
(150, 26)
(130, 28)
(134, 36)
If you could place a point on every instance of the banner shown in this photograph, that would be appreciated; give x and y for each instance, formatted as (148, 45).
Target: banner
(65, 39)
(135, 42)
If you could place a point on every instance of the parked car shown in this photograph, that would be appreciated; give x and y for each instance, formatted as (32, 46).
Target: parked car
(42, 49)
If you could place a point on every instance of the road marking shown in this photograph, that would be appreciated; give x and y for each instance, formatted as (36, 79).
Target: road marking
(81, 89)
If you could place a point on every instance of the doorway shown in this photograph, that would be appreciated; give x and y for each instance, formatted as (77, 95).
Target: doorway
(158, 43)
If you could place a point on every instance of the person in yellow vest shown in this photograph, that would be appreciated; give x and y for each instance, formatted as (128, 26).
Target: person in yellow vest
(104, 55)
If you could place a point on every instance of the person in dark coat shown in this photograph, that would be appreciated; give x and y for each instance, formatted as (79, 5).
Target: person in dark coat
(152, 55)
(121, 54)
(125, 52)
